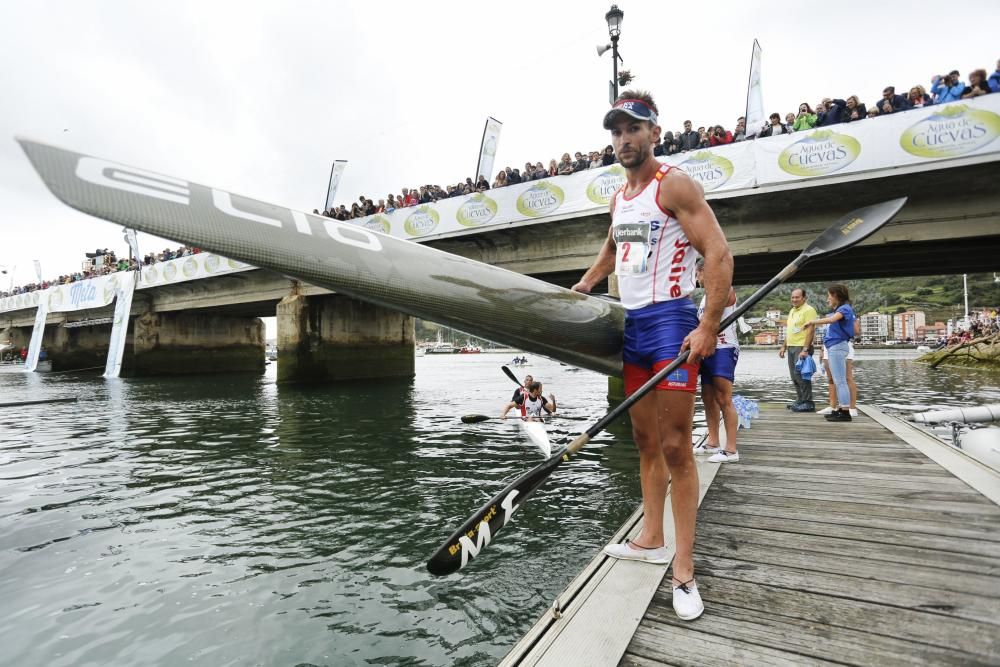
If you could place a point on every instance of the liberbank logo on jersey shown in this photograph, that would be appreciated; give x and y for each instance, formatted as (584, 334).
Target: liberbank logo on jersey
(604, 186)
(708, 169)
(479, 210)
(540, 199)
(819, 153)
(952, 131)
(421, 221)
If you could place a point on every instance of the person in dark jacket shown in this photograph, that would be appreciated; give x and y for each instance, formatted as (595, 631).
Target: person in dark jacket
(977, 85)
(775, 127)
(829, 111)
(891, 102)
(688, 139)
(608, 158)
(854, 110)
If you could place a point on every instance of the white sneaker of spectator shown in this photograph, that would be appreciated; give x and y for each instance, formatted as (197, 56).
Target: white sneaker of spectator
(704, 448)
(853, 411)
(724, 457)
(826, 411)
(626, 551)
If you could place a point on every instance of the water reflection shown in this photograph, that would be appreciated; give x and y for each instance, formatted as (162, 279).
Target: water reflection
(233, 521)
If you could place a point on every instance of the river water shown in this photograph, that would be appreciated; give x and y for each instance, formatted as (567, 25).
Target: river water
(230, 521)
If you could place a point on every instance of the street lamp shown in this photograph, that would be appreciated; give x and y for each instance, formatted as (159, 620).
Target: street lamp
(614, 18)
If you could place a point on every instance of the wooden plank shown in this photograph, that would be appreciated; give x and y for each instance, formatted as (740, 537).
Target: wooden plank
(928, 526)
(661, 644)
(900, 555)
(780, 476)
(945, 602)
(878, 467)
(920, 625)
(943, 501)
(853, 532)
(840, 474)
(833, 510)
(781, 553)
(758, 627)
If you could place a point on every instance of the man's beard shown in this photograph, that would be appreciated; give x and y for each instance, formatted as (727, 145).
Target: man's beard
(634, 160)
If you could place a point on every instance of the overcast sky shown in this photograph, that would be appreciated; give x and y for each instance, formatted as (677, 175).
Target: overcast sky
(259, 97)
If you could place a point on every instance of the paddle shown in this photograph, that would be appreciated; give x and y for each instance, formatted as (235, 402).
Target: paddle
(474, 419)
(511, 375)
(477, 531)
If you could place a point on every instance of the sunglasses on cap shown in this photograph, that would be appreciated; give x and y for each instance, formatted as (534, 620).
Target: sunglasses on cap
(635, 108)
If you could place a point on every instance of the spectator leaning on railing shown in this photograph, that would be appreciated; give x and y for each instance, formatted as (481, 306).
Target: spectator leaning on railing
(977, 85)
(918, 97)
(830, 111)
(806, 119)
(891, 102)
(947, 88)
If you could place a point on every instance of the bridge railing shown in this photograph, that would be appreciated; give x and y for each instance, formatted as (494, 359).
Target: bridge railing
(100, 291)
(919, 136)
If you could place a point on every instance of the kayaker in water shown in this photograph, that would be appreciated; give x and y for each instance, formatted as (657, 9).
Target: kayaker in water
(533, 404)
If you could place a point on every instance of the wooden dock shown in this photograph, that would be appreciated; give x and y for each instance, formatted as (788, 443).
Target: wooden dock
(868, 543)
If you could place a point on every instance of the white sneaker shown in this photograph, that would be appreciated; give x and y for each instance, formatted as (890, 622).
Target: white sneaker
(627, 551)
(853, 411)
(703, 448)
(724, 457)
(825, 411)
(687, 601)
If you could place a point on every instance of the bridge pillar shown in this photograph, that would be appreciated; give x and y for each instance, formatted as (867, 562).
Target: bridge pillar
(190, 343)
(68, 349)
(333, 337)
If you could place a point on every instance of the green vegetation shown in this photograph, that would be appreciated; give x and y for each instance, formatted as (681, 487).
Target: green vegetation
(940, 297)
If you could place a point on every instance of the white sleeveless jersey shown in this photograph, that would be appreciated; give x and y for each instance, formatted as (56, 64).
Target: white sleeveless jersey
(533, 406)
(654, 260)
(727, 337)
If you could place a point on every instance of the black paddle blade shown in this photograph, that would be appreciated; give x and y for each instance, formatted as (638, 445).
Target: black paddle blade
(473, 419)
(511, 375)
(854, 228)
(480, 529)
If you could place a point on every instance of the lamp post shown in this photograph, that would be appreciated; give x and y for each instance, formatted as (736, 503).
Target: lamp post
(614, 19)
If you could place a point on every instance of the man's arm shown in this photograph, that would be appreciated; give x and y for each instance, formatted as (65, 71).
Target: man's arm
(685, 197)
(810, 334)
(545, 404)
(603, 266)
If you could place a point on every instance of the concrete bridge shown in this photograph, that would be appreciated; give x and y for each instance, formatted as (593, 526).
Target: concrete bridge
(951, 224)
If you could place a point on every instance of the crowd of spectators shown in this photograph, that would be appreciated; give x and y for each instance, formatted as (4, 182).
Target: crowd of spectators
(101, 262)
(827, 111)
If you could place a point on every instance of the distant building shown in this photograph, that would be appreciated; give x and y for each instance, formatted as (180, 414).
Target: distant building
(931, 332)
(773, 314)
(904, 325)
(766, 338)
(874, 327)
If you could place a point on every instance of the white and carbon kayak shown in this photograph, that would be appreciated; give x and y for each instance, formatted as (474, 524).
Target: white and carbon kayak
(477, 298)
(538, 435)
(979, 413)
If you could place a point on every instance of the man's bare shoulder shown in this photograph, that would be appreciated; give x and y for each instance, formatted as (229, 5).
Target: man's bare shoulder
(680, 190)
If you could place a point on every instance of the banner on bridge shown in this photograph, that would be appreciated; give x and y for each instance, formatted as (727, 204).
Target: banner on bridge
(919, 136)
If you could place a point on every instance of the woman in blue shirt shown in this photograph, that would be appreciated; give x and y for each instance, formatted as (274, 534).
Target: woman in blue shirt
(838, 334)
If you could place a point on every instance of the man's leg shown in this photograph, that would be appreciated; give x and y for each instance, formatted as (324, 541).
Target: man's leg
(675, 410)
(724, 399)
(712, 413)
(792, 356)
(652, 468)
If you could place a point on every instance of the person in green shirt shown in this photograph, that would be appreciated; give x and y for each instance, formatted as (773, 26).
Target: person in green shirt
(798, 345)
(806, 119)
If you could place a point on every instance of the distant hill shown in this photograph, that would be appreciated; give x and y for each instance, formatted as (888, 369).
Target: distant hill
(940, 297)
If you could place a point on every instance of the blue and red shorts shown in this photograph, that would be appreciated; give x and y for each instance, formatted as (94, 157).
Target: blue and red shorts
(653, 337)
(722, 364)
